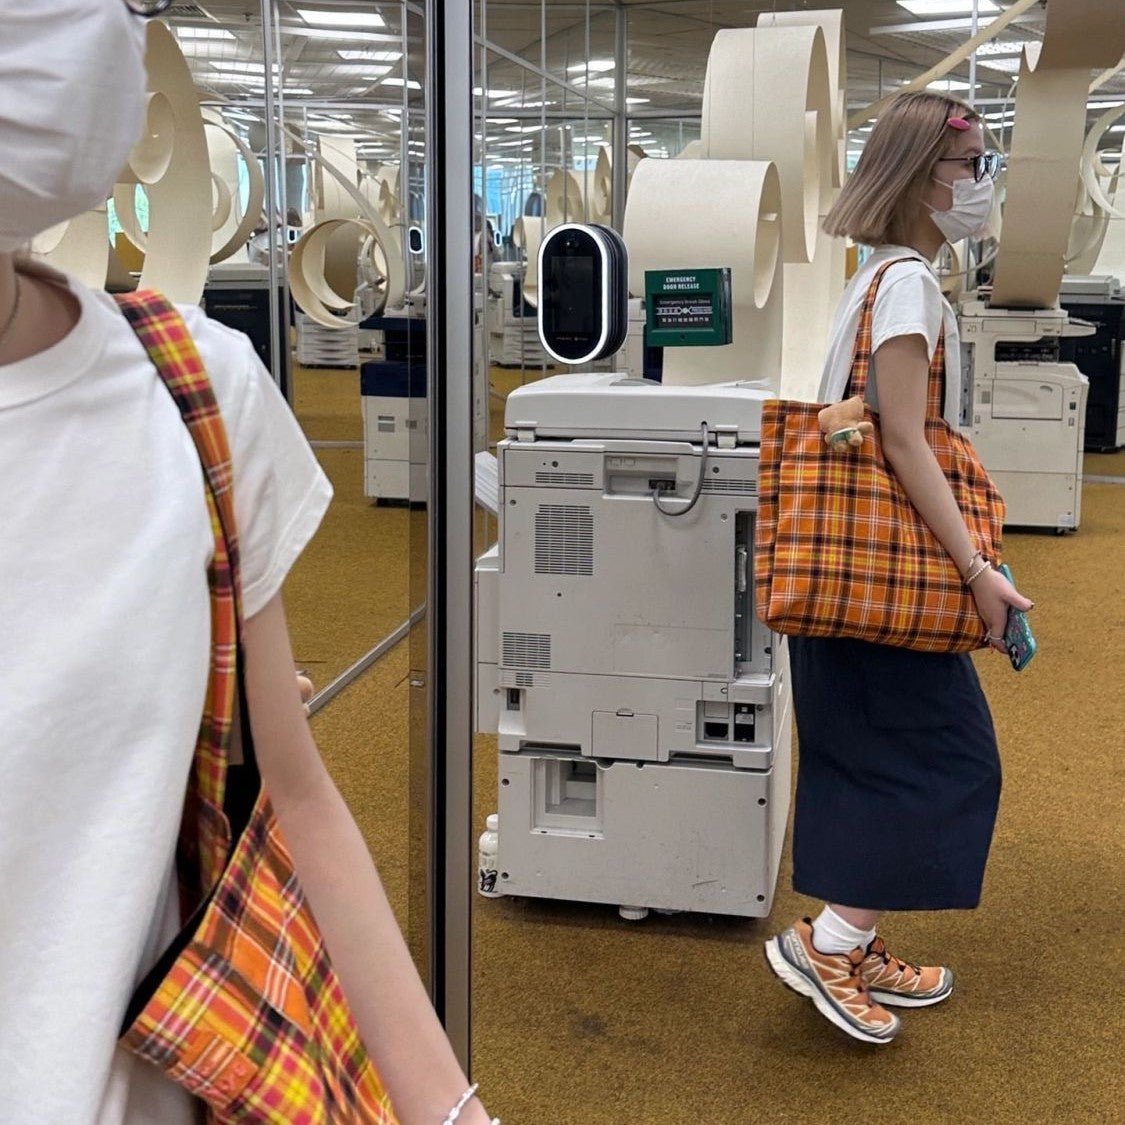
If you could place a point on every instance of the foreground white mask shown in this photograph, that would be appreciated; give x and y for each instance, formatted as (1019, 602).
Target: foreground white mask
(971, 210)
(72, 103)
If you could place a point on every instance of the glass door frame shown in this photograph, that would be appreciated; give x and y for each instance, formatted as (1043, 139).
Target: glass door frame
(450, 676)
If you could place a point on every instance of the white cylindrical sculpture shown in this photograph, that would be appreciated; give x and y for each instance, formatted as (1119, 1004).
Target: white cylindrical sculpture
(692, 214)
(767, 97)
(528, 233)
(334, 180)
(1092, 164)
(563, 199)
(177, 247)
(1111, 255)
(1044, 166)
(307, 282)
(225, 147)
(601, 189)
(79, 247)
(831, 22)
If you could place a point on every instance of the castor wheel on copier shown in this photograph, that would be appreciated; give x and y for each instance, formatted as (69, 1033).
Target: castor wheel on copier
(633, 913)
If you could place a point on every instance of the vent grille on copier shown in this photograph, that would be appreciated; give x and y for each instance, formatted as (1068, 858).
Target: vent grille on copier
(564, 540)
(527, 650)
(574, 480)
(742, 487)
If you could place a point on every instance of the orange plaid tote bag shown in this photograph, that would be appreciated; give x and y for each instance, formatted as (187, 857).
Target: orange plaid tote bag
(244, 1009)
(840, 551)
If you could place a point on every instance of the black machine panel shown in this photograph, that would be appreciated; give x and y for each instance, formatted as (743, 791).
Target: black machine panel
(1099, 358)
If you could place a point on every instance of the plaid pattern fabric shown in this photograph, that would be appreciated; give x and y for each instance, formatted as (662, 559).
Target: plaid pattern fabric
(840, 551)
(245, 1011)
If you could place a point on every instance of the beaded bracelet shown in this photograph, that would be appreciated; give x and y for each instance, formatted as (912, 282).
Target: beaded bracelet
(971, 578)
(464, 1100)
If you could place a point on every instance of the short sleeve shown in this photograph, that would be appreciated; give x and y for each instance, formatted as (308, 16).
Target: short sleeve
(908, 303)
(280, 491)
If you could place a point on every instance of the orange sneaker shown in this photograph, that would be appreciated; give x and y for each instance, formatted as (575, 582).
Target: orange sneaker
(832, 981)
(896, 982)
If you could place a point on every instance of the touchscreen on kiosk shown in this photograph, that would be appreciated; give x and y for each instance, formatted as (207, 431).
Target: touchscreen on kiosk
(573, 295)
(584, 297)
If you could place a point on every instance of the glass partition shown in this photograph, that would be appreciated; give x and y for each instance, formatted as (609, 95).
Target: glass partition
(317, 131)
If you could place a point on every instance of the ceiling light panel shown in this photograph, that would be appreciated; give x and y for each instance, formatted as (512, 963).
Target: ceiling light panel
(233, 66)
(947, 7)
(998, 49)
(371, 56)
(360, 70)
(1003, 66)
(323, 18)
(340, 36)
(203, 33)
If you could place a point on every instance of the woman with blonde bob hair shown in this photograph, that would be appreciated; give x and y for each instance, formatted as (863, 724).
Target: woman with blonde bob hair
(899, 775)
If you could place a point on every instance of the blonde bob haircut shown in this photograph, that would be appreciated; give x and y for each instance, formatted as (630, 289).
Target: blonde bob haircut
(880, 200)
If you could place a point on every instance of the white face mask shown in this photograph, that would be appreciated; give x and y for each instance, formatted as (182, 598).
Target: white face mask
(971, 210)
(72, 104)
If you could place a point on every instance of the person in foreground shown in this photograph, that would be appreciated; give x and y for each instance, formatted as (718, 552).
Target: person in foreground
(105, 632)
(899, 775)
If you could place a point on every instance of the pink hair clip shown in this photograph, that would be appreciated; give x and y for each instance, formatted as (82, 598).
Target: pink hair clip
(958, 123)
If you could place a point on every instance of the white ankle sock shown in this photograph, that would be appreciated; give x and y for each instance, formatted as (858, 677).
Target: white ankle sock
(831, 934)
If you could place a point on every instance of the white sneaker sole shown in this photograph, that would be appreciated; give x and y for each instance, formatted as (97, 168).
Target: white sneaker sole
(797, 981)
(897, 1000)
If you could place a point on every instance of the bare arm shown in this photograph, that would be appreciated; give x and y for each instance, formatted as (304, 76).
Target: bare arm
(902, 367)
(396, 1020)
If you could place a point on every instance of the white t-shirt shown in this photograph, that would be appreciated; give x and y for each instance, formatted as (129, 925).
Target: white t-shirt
(909, 302)
(104, 641)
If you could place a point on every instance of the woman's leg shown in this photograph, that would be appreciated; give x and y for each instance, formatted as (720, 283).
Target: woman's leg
(840, 929)
(860, 919)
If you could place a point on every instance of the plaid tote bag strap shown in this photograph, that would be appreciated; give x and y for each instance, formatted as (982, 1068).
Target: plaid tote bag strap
(165, 336)
(862, 354)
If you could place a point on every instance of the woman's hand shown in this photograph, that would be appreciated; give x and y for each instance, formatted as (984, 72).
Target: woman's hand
(993, 594)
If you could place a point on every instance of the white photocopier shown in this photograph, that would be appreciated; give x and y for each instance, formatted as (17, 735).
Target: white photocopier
(513, 336)
(642, 710)
(1024, 410)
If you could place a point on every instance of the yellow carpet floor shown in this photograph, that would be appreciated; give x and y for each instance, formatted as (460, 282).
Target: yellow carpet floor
(581, 1017)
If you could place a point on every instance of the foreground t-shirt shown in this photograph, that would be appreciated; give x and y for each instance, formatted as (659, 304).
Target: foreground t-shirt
(909, 302)
(104, 640)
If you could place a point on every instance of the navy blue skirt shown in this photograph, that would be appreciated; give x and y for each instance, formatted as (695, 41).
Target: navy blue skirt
(898, 777)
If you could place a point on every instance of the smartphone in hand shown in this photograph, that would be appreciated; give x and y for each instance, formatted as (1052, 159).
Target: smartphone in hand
(1019, 642)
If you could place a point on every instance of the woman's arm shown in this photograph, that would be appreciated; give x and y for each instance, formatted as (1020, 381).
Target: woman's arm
(396, 1020)
(902, 369)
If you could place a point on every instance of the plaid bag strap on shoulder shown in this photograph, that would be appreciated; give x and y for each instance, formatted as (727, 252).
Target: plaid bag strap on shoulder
(862, 354)
(205, 839)
(244, 1010)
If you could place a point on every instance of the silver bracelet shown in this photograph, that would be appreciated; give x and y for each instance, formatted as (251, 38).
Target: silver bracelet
(464, 1100)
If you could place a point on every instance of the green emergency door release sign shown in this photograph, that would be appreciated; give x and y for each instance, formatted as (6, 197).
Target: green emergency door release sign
(687, 308)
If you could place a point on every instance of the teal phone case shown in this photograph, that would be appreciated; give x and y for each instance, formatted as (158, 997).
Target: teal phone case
(1019, 641)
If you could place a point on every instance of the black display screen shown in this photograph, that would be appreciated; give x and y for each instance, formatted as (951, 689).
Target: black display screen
(571, 310)
(572, 286)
